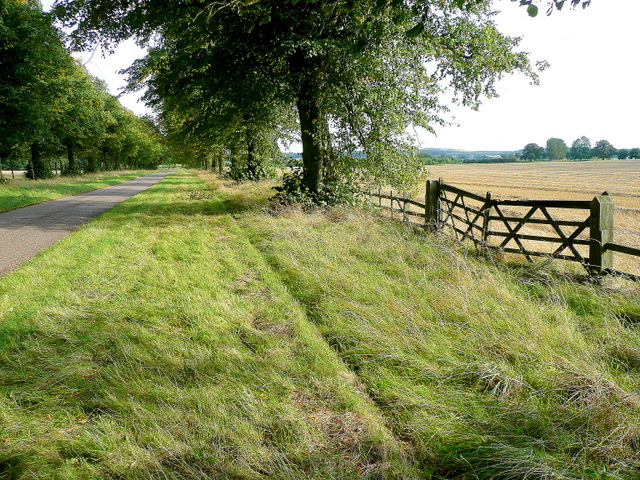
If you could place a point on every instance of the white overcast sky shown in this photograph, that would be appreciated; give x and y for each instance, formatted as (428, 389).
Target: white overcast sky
(590, 89)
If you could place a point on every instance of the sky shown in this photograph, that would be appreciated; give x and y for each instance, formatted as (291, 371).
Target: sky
(590, 89)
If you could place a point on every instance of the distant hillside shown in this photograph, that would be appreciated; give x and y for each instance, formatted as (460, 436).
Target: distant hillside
(450, 152)
(468, 154)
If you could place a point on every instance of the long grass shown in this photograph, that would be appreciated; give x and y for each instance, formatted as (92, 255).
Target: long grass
(155, 342)
(489, 373)
(195, 331)
(20, 193)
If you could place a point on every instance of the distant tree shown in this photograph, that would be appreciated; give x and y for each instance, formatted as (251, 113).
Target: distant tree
(622, 154)
(634, 153)
(556, 149)
(79, 123)
(580, 149)
(603, 149)
(533, 151)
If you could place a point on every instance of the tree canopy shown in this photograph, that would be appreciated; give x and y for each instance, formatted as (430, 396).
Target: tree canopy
(533, 151)
(580, 149)
(357, 74)
(603, 149)
(49, 104)
(556, 149)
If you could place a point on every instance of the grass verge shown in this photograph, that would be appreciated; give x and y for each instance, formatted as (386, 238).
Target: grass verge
(488, 372)
(155, 342)
(20, 193)
(189, 334)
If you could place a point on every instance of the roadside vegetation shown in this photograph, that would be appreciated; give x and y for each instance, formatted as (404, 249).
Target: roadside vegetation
(199, 331)
(20, 193)
(53, 114)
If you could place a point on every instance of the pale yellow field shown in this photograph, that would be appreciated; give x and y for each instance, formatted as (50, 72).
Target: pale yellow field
(560, 181)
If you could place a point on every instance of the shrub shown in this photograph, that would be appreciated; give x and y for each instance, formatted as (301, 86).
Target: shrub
(329, 194)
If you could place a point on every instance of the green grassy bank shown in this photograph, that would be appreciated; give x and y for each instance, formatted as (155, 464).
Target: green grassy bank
(155, 342)
(191, 332)
(20, 193)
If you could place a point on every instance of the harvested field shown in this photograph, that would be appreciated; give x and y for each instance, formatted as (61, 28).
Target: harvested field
(561, 181)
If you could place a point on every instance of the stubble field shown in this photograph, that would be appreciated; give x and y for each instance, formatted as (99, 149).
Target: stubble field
(561, 181)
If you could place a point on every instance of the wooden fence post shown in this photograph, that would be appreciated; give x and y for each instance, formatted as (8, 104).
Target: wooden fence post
(432, 205)
(404, 207)
(486, 224)
(601, 233)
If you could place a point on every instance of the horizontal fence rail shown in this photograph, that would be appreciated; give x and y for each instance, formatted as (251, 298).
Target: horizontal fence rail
(577, 231)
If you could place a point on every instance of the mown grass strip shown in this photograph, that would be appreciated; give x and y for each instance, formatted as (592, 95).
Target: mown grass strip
(20, 193)
(487, 373)
(155, 342)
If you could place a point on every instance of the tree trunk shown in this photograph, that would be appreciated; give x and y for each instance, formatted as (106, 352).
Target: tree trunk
(253, 158)
(216, 164)
(317, 152)
(1, 174)
(13, 175)
(72, 167)
(91, 165)
(235, 157)
(41, 168)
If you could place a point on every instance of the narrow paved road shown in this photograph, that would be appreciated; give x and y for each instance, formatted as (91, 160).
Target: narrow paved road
(26, 231)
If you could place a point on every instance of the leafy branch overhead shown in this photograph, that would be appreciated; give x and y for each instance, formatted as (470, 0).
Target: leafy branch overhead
(532, 8)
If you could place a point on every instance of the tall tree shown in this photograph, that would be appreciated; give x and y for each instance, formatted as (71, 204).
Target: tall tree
(79, 123)
(532, 152)
(580, 149)
(603, 149)
(556, 149)
(358, 71)
(622, 154)
(32, 63)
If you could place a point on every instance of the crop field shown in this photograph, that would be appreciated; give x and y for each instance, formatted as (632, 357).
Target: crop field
(561, 181)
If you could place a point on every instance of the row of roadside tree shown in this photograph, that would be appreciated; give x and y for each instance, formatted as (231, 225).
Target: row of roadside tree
(581, 149)
(52, 112)
(234, 78)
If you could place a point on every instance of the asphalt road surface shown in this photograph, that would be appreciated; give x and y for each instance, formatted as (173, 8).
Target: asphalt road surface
(26, 231)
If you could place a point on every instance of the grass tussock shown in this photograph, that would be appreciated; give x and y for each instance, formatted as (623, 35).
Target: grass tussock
(20, 193)
(195, 331)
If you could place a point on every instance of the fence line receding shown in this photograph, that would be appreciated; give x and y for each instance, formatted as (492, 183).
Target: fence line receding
(576, 231)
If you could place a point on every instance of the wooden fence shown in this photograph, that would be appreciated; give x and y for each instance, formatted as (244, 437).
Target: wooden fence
(577, 231)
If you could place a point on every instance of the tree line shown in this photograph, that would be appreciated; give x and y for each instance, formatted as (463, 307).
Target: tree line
(53, 113)
(232, 78)
(581, 149)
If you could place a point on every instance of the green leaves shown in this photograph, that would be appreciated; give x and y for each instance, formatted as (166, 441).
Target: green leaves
(415, 31)
(533, 10)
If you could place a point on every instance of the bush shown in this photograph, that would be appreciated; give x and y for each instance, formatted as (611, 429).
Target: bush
(262, 171)
(329, 194)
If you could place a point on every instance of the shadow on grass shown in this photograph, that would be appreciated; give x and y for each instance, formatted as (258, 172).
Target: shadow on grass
(207, 207)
